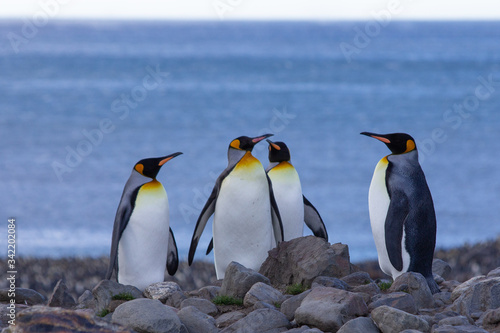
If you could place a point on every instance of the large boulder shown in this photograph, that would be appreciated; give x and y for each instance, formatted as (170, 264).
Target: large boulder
(161, 290)
(390, 320)
(329, 308)
(478, 297)
(197, 321)
(398, 300)
(291, 305)
(107, 289)
(238, 280)
(415, 285)
(359, 325)
(262, 321)
(147, 315)
(23, 296)
(52, 319)
(289, 263)
(261, 292)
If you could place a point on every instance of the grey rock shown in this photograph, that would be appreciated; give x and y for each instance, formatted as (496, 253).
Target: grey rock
(445, 314)
(161, 290)
(208, 292)
(86, 300)
(357, 279)
(478, 297)
(357, 325)
(458, 329)
(201, 304)
(228, 318)
(371, 289)
(261, 292)
(490, 320)
(175, 299)
(289, 306)
(147, 315)
(328, 281)
(304, 329)
(263, 305)
(106, 289)
(61, 297)
(416, 285)
(238, 280)
(288, 263)
(52, 319)
(494, 273)
(461, 288)
(443, 297)
(197, 321)
(262, 321)
(441, 268)
(329, 309)
(454, 321)
(398, 300)
(411, 331)
(23, 296)
(390, 320)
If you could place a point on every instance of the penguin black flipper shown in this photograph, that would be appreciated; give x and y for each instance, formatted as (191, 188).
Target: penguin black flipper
(394, 223)
(313, 220)
(210, 246)
(206, 212)
(122, 217)
(275, 215)
(172, 255)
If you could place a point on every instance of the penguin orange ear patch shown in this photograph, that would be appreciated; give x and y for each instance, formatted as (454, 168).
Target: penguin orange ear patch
(235, 144)
(410, 145)
(275, 146)
(139, 168)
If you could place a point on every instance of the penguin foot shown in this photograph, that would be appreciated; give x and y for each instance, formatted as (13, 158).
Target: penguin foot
(433, 285)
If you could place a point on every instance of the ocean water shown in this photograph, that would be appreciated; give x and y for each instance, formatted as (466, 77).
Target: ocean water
(81, 103)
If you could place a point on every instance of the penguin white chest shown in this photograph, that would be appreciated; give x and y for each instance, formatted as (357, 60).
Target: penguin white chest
(142, 250)
(288, 194)
(379, 202)
(242, 228)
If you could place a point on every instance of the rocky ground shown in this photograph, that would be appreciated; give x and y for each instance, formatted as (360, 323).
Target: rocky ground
(317, 291)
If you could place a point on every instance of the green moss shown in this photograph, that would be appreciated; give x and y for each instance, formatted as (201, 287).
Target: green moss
(123, 297)
(384, 285)
(295, 289)
(103, 313)
(227, 300)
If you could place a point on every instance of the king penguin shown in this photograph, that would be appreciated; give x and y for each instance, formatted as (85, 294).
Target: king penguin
(293, 206)
(143, 242)
(402, 215)
(246, 217)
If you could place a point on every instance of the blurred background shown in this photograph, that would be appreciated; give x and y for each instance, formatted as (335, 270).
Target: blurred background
(88, 88)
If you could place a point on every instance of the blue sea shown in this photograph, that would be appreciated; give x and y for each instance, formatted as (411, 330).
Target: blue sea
(82, 102)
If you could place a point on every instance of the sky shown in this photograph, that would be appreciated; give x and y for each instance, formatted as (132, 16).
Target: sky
(253, 9)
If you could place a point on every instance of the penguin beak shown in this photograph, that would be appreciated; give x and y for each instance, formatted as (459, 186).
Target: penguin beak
(275, 146)
(260, 138)
(379, 137)
(168, 158)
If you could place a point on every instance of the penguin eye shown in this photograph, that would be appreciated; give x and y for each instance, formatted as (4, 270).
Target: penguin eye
(139, 168)
(235, 144)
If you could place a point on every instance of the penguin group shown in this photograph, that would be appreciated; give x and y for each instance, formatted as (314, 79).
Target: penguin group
(255, 209)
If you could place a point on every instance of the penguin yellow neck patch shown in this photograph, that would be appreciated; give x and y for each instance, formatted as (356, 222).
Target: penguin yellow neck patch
(248, 161)
(410, 145)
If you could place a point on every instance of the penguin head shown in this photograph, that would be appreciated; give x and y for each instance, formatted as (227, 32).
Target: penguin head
(278, 152)
(149, 167)
(398, 143)
(245, 143)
